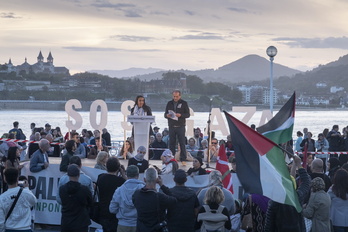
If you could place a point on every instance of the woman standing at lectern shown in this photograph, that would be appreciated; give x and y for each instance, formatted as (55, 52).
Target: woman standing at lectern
(141, 109)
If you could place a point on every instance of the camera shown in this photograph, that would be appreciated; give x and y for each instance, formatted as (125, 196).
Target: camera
(163, 225)
(21, 183)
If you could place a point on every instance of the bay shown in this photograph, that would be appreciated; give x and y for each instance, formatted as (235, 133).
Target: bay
(315, 121)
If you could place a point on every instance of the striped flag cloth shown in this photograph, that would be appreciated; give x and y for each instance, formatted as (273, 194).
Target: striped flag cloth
(222, 166)
(261, 165)
(279, 128)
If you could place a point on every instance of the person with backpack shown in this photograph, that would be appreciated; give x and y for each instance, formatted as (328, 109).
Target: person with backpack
(213, 216)
(215, 179)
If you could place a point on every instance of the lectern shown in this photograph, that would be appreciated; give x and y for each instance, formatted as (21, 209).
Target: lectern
(141, 126)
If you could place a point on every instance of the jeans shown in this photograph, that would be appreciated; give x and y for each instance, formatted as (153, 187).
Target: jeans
(340, 229)
(178, 132)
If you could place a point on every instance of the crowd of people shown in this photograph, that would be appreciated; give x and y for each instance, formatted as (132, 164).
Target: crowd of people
(129, 204)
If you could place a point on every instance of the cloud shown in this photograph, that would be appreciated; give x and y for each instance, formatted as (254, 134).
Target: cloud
(9, 15)
(201, 36)
(330, 42)
(129, 10)
(131, 14)
(188, 12)
(118, 6)
(132, 38)
(240, 10)
(98, 49)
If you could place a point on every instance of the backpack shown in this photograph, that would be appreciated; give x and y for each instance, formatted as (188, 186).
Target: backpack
(213, 220)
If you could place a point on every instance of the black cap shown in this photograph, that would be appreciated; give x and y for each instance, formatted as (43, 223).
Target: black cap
(47, 125)
(73, 170)
(180, 176)
(156, 128)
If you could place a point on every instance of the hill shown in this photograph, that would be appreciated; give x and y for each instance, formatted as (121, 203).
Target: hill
(332, 74)
(130, 72)
(248, 68)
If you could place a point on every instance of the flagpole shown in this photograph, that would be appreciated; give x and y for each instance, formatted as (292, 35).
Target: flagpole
(209, 137)
(284, 150)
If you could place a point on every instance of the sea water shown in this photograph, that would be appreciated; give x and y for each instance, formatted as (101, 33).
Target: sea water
(315, 121)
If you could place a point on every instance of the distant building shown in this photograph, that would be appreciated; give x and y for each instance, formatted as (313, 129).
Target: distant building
(335, 89)
(257, 94)
(321, 84)
(39, 67)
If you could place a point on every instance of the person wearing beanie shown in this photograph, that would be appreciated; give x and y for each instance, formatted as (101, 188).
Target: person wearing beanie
(318, 207)
(197, 167)
(139, 161)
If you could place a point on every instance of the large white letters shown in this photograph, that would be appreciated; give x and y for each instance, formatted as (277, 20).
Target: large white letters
(103, 114)
(125, 110)
(72, 113)
(217, 119)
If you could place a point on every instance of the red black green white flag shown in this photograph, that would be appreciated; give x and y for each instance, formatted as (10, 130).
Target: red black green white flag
(279, 128)
(261, 165)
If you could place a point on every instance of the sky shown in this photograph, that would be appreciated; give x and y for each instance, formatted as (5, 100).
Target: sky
(172, 34)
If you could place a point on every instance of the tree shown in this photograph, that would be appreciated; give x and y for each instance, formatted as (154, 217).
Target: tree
(195, 84)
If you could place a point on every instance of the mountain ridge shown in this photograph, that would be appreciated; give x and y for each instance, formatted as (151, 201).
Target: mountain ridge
(233, 72)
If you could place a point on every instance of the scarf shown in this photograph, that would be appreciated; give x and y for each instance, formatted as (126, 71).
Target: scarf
(139, 111)
(139, 157)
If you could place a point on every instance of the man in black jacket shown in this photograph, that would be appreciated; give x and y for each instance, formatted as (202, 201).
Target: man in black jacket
(176, 112)
(150, 204)
(182, 216)
(76, 200)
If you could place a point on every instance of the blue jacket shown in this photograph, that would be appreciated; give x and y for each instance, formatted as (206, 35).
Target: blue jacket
(122, 204)
(37, 161)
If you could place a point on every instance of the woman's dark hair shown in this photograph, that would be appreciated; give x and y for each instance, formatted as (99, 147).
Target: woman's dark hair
(130, 146)
(137, 98)
(69, 145)
(113, 164)
(12, 154)
(90, 133)
(340, 184)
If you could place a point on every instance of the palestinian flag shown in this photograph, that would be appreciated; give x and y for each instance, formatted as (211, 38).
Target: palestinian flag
(279, 128)
(261, 165)
(222, 166)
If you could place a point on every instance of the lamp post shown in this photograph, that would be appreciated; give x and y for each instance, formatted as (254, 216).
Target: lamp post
(271, 52)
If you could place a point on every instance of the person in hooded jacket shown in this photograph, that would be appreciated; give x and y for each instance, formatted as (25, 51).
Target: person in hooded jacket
(76, 200)
(182, 216)
(107, 184)
(122, 204)
(139, 161)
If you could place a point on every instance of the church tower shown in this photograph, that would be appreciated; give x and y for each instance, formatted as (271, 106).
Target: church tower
(50, 58)
(40, 58)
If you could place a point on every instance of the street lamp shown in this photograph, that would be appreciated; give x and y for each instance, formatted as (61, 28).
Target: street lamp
(271, 52)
